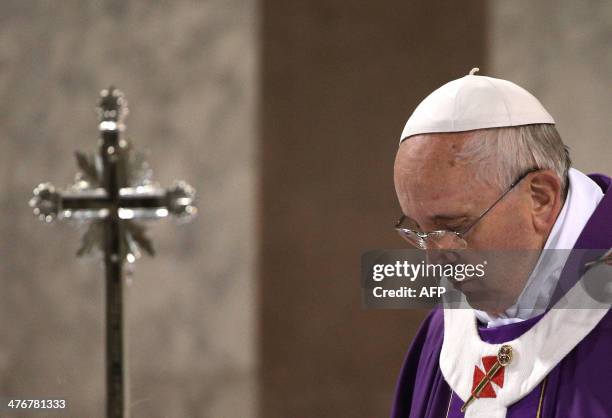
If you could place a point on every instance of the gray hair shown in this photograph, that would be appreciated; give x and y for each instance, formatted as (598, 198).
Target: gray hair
(503, 154)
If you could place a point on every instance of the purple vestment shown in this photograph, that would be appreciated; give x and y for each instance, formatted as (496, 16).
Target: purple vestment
(580, 386)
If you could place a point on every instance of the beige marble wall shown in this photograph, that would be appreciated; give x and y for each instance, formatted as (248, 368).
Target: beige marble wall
(189, 71)
(560, 51)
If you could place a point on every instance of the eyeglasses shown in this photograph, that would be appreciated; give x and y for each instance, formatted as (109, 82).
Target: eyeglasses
(443, 239)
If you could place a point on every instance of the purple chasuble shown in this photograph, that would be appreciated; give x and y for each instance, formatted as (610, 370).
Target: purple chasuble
(578, 387)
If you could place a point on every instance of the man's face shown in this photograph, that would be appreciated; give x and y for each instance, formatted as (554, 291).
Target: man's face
(439, 191)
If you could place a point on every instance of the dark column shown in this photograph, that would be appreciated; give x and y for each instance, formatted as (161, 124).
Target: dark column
(340, 79)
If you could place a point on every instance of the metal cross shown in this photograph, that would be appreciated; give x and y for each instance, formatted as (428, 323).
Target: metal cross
(113, 188)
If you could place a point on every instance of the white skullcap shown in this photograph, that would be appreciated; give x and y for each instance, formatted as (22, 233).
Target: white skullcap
(475, 102)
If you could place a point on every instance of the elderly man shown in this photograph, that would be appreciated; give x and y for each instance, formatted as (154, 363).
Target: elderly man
(481, 166)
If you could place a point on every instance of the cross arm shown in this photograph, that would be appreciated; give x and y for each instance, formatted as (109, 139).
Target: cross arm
(152, 202)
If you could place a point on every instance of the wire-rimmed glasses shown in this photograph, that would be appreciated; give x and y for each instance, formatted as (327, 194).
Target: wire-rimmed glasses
(443, 239)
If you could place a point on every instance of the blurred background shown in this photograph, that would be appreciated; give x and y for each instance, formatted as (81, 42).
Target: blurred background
(285, 116)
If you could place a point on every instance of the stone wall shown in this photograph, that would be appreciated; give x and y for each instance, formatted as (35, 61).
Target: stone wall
(189, 72)
(560, 51)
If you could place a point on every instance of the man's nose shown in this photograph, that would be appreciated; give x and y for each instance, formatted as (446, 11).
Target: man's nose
(442, 256)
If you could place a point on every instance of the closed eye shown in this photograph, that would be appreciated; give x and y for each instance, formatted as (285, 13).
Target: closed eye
(454, 225)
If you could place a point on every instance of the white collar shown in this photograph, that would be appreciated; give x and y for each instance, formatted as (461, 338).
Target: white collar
(582, 199)
(535, 353)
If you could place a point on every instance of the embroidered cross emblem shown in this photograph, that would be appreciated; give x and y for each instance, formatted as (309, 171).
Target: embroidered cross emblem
(494, 373)
(498, 378)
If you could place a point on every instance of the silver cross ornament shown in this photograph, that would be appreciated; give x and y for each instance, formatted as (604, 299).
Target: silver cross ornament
(112, 191)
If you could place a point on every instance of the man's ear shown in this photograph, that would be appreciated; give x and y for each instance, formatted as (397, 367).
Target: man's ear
(545, 191)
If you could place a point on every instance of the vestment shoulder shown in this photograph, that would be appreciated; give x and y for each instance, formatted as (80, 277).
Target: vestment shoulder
(420, 367)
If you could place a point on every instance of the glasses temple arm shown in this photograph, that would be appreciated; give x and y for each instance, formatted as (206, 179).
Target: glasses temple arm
(517, 181)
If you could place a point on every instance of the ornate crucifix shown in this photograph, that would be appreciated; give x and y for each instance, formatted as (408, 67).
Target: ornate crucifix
(113, 189)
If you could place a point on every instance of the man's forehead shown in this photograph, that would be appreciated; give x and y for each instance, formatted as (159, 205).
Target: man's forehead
(430, 175)
(432, 158)
(434, 145)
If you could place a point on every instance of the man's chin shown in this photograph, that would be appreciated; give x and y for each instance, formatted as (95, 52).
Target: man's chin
(468, 286)
(487, 301)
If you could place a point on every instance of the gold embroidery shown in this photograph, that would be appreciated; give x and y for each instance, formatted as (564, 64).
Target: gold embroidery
(539, 414)
(449, 403)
